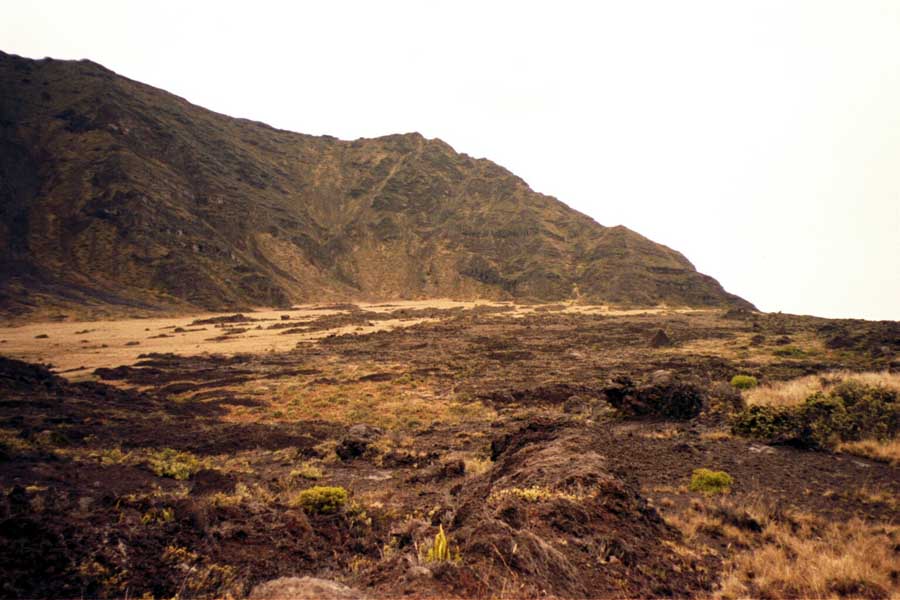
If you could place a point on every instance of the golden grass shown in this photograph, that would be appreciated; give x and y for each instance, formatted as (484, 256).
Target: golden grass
(393, 406)
(887, 451)
(795, 391)
(477, 465)
(665, 433)
(838, 559)
(793, 554)
(535, 494)
(716, 435)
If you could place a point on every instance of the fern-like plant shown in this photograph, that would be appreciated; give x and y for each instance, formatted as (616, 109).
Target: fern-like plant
(440, 549)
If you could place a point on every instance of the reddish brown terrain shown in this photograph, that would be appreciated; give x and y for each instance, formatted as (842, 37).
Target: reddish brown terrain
(459, 387)
(554, 447)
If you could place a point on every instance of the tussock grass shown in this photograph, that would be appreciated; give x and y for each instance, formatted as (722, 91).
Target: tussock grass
(795, 391)
(839, 559)
(886, 451)
(792, 554)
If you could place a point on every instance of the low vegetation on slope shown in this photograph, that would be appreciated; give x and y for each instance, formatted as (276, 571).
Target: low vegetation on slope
(141, 200)
(480, 454)
(859, 412)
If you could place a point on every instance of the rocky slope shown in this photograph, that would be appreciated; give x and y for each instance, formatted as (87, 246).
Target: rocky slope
(117, 194)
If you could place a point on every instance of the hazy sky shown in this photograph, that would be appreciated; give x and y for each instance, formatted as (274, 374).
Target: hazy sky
(761, 139)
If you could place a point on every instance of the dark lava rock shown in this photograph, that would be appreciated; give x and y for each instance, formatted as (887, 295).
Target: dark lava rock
(672, 399)
(358, 441)
(660, 340)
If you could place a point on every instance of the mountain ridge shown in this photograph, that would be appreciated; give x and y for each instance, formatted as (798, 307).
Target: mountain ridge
(117, 194)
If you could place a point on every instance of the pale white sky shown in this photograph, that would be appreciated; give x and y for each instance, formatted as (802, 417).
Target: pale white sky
(761, 139)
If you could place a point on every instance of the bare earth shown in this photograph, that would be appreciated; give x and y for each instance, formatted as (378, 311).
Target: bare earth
(553, 444)
(77, 348)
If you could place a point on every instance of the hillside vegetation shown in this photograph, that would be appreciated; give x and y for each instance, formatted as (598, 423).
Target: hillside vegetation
(117, 194)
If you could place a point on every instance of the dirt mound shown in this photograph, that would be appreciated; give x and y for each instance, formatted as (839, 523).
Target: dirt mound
(551, 518)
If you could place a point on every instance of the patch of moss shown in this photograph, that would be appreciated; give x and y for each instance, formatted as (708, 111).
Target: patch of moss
(744, 382)
(321, 499)
(710, 482)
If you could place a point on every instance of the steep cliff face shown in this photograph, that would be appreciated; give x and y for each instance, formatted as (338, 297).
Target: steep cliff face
(116, 193)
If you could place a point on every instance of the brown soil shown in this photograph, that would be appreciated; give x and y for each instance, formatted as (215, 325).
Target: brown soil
(516, 430)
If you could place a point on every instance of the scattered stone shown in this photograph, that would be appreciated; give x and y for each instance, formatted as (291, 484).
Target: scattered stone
(304, 588)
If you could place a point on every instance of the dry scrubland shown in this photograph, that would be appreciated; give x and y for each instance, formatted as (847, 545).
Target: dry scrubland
(451, 450)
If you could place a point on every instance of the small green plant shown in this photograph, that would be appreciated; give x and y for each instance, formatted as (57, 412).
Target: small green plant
(710, 482)
(172, 463)
(321, 499)
(744, 382)
(440, 550)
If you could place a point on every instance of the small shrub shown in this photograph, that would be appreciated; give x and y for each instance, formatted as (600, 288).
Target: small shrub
(744, 382)
(766, 422)
(848, 412)
(321, 499)
(710, 482)
(172, 463)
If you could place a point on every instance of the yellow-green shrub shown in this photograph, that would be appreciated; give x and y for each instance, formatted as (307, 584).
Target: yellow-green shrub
(744, 382)
(321, 499)
(172, 463)
(710, 482)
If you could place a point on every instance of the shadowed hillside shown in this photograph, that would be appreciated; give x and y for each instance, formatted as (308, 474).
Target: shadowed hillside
(117, 194)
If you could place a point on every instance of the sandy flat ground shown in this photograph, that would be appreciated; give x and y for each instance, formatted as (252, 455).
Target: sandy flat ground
(77, 348)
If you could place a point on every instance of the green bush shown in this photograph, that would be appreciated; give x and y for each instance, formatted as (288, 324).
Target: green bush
(321, 499)
(849, 412)
(744, 382)
(172, 463)
(766, 422)
(710, 482)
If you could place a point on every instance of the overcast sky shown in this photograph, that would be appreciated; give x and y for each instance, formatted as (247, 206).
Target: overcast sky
(760, 139)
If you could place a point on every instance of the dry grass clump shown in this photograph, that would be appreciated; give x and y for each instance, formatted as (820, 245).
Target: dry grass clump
(388, 406)
(838, 559)
(795, 391)
(887, 451)
(791, 554)
(477, 465)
